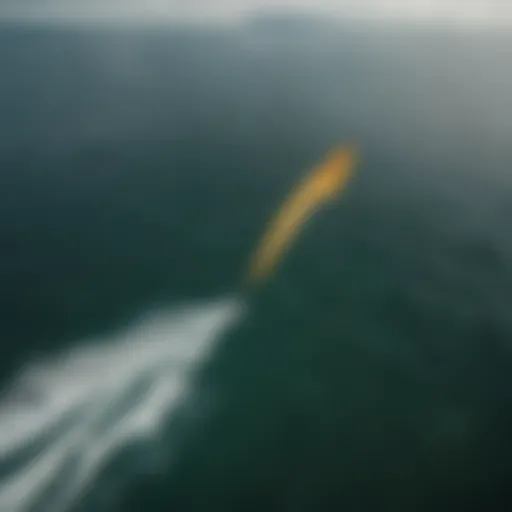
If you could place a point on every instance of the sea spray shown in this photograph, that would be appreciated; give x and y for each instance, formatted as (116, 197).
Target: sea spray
(65, 418)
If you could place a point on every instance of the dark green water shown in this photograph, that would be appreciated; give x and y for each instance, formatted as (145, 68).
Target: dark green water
(373, 371)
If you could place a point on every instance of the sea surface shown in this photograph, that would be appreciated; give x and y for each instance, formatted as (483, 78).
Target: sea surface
(138, 168)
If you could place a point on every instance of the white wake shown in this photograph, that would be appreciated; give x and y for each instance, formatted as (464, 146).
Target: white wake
(64, 418)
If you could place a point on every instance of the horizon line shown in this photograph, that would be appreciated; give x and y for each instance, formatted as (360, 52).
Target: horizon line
(243, 19)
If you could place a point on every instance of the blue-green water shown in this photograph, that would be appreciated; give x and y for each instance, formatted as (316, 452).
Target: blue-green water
(138, 168)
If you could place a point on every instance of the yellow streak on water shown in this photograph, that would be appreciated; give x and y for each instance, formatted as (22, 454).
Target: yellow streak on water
(328, 178)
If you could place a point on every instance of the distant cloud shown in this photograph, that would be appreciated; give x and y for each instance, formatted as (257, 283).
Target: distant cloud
(486, 11)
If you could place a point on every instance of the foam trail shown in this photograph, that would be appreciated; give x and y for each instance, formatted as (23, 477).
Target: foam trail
(88, 403)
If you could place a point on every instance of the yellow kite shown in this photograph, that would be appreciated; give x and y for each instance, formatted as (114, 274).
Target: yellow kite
(322, 183)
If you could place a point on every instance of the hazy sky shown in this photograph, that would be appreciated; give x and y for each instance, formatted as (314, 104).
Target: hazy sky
(463, 11)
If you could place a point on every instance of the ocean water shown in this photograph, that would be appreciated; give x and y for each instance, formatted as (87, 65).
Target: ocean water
(138, 167)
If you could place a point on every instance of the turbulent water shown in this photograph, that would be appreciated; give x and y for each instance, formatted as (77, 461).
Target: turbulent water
(138, 168)
(63, 418)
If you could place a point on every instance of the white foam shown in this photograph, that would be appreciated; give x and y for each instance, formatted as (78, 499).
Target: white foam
(93, 399)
